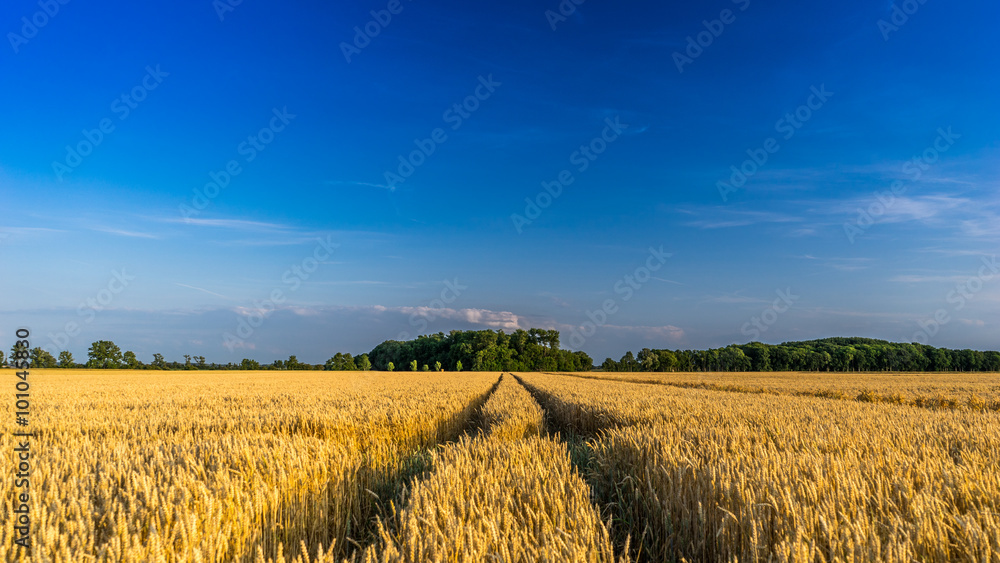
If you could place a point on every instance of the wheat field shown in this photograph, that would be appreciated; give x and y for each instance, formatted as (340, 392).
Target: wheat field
(974, 390)
(702, 475)
(312, 467)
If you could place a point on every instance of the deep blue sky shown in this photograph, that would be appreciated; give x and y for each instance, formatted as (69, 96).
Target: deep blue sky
(196, 276)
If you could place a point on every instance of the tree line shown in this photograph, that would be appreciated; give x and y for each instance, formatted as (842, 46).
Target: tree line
(828, 354)
(105, 354)
(484, 350)
(535, 349)
(538, 350)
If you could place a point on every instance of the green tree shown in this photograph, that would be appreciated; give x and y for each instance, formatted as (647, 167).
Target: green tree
(104, 354)
(158, 361)
(668, 360)
(842, 358)
(200, 360)
(940, 360)
(648, 359)
(760, 356)
(364, 364)
(732, 358)
(628, 362)
(340, 362)
(65, 359)
(437, 366)
(426, 368)
(458, 365)
(19, 352)
(413, 365)
(129, 360)
(42, 359)
(249, 365)
(293, 363)
(390, 366)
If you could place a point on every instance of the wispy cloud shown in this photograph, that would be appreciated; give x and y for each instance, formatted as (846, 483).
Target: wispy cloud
(841, 264)
(202, 289)
(954, 252)
(352, 282)
(236, 224)
(916, 278)
(921, 207)
(26, 231)
(733, 298)
(723, 218)
(269, 241)
(361, 184)
(669, 332)
(988, 226)
(124, 233)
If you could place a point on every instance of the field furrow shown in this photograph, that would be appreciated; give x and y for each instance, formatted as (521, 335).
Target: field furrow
(713, 476)
(217, 467)
(508, 494)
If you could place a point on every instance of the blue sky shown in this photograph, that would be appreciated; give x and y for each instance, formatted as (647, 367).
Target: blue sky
(313, 246)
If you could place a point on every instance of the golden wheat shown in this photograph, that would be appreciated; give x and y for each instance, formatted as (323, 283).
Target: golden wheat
(223, 466)
(507, 495)
(716, 476)
(316, 467)
(511, 412)
(972, 391)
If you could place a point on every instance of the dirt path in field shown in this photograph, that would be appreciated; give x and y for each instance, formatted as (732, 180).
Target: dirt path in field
(390, 492)
(576, 442)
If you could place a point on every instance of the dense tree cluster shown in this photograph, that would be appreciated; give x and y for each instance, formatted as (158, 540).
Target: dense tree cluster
(538, 350)
(345, 362)
(828, 354)
(483, 350)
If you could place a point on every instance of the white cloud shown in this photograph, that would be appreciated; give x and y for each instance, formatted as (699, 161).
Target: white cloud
(482, 317)
(228, 224)
(124, 233)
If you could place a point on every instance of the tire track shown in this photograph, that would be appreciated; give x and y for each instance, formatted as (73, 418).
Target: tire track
(510, 488)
